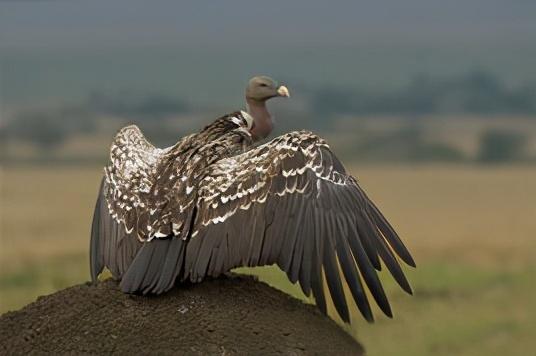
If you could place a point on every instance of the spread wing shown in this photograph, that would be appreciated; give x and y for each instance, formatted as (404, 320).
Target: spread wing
(290, 202)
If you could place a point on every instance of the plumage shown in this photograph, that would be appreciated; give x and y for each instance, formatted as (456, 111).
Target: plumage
(215, 201)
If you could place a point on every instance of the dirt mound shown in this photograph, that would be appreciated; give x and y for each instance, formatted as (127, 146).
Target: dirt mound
(224, 316)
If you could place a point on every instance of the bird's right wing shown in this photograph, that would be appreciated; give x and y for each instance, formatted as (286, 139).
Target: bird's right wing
(127, 176)
(291, 202)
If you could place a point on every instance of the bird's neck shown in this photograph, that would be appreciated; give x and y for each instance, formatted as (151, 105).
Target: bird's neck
(262, 120)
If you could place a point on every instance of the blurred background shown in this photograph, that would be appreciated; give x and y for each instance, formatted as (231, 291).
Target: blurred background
(431, 104)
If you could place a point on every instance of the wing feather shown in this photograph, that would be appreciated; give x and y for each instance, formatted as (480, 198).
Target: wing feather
(308, 249)
(291, 202)
(95, 258)
(110, 246)
(317, 280)
(367, 270)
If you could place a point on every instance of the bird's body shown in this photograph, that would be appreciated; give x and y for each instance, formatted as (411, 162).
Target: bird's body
(213, 202)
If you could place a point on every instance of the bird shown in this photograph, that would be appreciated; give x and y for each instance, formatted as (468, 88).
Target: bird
(223, 198)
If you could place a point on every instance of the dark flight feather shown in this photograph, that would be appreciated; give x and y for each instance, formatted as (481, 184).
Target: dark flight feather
(333, 276)
(95, 258)
(349, 269)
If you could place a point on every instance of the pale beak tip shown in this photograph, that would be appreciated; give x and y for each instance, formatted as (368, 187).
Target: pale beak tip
(283, 91)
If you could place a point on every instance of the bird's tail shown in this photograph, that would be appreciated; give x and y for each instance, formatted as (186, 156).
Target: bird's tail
(156, 266)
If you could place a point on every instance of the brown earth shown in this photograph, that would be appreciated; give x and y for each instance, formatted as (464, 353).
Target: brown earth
(225, 316)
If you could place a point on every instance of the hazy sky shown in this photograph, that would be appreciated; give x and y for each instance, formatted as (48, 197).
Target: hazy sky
(103, 44)
(240, 22)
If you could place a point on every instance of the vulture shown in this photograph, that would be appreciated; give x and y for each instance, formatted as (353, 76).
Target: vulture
(219, 199)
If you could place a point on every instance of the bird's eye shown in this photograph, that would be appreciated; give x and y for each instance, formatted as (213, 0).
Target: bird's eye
(264, 85)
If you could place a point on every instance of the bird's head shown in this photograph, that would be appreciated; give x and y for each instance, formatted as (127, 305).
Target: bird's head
(262, 88)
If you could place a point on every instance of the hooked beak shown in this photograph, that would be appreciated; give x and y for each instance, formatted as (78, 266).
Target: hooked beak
(283, 91)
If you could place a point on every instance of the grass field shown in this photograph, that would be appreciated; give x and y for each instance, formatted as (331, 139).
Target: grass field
(472, 231)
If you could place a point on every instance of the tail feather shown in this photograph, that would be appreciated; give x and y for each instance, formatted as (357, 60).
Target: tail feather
(156, 267)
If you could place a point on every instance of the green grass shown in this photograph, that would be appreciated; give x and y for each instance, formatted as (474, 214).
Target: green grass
(457, 309)
(23, 285)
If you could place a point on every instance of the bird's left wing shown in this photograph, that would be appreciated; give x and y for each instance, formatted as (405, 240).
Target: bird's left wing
(291, 202)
